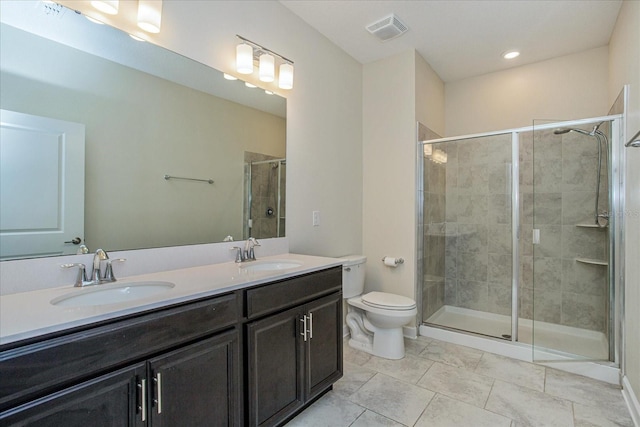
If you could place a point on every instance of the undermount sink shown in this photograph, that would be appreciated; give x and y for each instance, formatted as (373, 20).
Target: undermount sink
(111, 293)
(271, 265)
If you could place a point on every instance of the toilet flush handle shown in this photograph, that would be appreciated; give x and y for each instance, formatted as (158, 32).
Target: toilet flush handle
(347, 269)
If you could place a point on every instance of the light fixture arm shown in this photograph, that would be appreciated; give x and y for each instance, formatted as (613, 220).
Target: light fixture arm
(263, 49)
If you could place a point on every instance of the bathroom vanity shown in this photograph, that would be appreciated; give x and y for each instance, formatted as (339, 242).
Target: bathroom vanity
(253, 351)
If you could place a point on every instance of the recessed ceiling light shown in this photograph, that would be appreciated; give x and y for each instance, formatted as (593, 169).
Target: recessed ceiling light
(511, 54)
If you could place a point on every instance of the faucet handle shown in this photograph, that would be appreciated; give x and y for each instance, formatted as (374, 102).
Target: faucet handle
(108, 271)
(82, 273)
(239, 255)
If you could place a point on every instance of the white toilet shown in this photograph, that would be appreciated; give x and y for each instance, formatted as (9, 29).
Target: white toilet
(375, 319)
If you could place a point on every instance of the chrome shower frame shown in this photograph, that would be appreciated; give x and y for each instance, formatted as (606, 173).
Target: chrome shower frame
(615, 159)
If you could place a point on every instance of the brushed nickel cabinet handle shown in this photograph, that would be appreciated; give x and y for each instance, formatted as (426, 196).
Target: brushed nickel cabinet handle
(158, 400)
(304, 327)
(310, 325)
(142, 385)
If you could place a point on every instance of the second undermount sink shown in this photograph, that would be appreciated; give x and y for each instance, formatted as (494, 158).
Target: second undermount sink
(270, 265)
(111, 293)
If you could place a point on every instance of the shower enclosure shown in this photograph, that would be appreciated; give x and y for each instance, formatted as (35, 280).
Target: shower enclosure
(517, 235)
(265, 197)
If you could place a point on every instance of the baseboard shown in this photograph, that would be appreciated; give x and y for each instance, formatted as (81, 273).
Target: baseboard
(632, 401)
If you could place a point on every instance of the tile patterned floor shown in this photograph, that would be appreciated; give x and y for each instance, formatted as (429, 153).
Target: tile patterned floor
(439, 384)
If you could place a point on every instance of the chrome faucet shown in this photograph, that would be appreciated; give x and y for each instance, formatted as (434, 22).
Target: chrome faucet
(249, 253)
(97, 277)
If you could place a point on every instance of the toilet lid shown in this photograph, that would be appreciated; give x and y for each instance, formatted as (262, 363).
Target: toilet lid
(388, 301)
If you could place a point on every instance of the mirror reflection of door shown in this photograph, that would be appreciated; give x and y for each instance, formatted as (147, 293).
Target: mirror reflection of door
(41, 186)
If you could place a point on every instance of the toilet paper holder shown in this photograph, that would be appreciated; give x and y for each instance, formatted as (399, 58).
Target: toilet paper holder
(396, 260)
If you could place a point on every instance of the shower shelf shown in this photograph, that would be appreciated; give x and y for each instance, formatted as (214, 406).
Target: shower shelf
(591, 226)
(592, 261)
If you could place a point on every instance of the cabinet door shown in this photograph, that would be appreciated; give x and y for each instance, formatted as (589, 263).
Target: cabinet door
(324, 355)
(275, 352)
(197, 385)
(111, 400)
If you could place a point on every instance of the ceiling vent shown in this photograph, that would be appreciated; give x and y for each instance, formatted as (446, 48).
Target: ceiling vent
(387, 28)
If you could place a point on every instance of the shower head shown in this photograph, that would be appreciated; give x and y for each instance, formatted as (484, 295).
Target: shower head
(561, 131)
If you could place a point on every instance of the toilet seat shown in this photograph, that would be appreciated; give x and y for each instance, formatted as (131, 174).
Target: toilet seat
(387, 301)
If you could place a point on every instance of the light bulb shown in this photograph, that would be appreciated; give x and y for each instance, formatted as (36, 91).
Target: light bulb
(150, 15)
(244, 59)
(285, 80)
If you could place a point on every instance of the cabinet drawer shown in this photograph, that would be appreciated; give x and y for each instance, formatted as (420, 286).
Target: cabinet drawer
(288, 293)
(50, 364)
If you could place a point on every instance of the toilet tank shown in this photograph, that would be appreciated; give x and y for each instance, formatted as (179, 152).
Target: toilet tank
(353, 275)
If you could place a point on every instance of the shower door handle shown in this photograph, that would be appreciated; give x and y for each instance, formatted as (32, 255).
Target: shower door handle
(536, 236)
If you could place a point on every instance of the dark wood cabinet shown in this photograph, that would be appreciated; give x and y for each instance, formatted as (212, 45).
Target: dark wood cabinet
(295, 355)
(111, 400)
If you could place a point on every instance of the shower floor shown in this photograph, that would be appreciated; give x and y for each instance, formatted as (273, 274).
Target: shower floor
(585, 344)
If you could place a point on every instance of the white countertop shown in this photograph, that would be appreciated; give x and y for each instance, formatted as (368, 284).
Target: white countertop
(30, 314)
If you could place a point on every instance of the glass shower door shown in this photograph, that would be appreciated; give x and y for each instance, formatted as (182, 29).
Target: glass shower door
(467, 242)
(565, 202)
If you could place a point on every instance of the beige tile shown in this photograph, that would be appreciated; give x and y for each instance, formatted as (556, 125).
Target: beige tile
(416, 346)
(604, 400)
(457, 383)
(371, 419)
(590, 416)
(446, 412)
(351, 355)
(512, 370)
(393, 399)
(408, 369)
(329, 411)
(354, 377)
(529, 408)
(452, 354)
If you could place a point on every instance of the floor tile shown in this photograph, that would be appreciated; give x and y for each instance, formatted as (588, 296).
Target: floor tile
(351, 355)
(528, 407)
(512, 370)
(446, 412)
(409, 369)
(392, 398)
(354, 377)
(452, 354)
(371, 419)
(606, 398)
(458, 383)
(590, 416)
(329, 411)
(416, 346)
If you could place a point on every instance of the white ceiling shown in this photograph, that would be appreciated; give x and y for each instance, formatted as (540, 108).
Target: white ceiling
(465, 38)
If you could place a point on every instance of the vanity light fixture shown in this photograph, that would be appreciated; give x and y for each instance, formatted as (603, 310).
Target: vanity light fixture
(150, 15)
(110, 7)
(511, 54)
(248, 52)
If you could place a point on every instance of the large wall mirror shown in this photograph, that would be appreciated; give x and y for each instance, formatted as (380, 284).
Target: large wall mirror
(141, 113)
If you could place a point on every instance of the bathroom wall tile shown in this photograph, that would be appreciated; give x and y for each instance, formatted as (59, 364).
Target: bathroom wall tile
(526, 208)
(547, 208)
(472, 209)
(525, 303)
(606, 398)
(523, 405)
(371, 419)
(330, 410)
(436, 177)
(393, 399)
(451, 263)
(526, 239)
(457, 383)
(408, 369)
(499, 299)
(451, 174)
(452, 354)
(546, 145)
(499, 239)
(547, 273)
(473, 151)
(473, 294)
(473, 179)
(525, 146)
(434, 208)
(551, 242)
(354, 377)
(526, 176)
(578, 207)
(450, 291)
(499, 209)
(446, 412)
(583, 311)
(499, 269)
(584, 278)
(526, 272)
(577, 145)
(512, 371)
(579, 174)
(499, 177)
(472, 266)
(547, 175)
(547, 305)
(583, 243)
(472, 238)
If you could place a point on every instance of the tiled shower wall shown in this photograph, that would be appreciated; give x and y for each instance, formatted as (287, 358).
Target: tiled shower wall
(467, 229)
